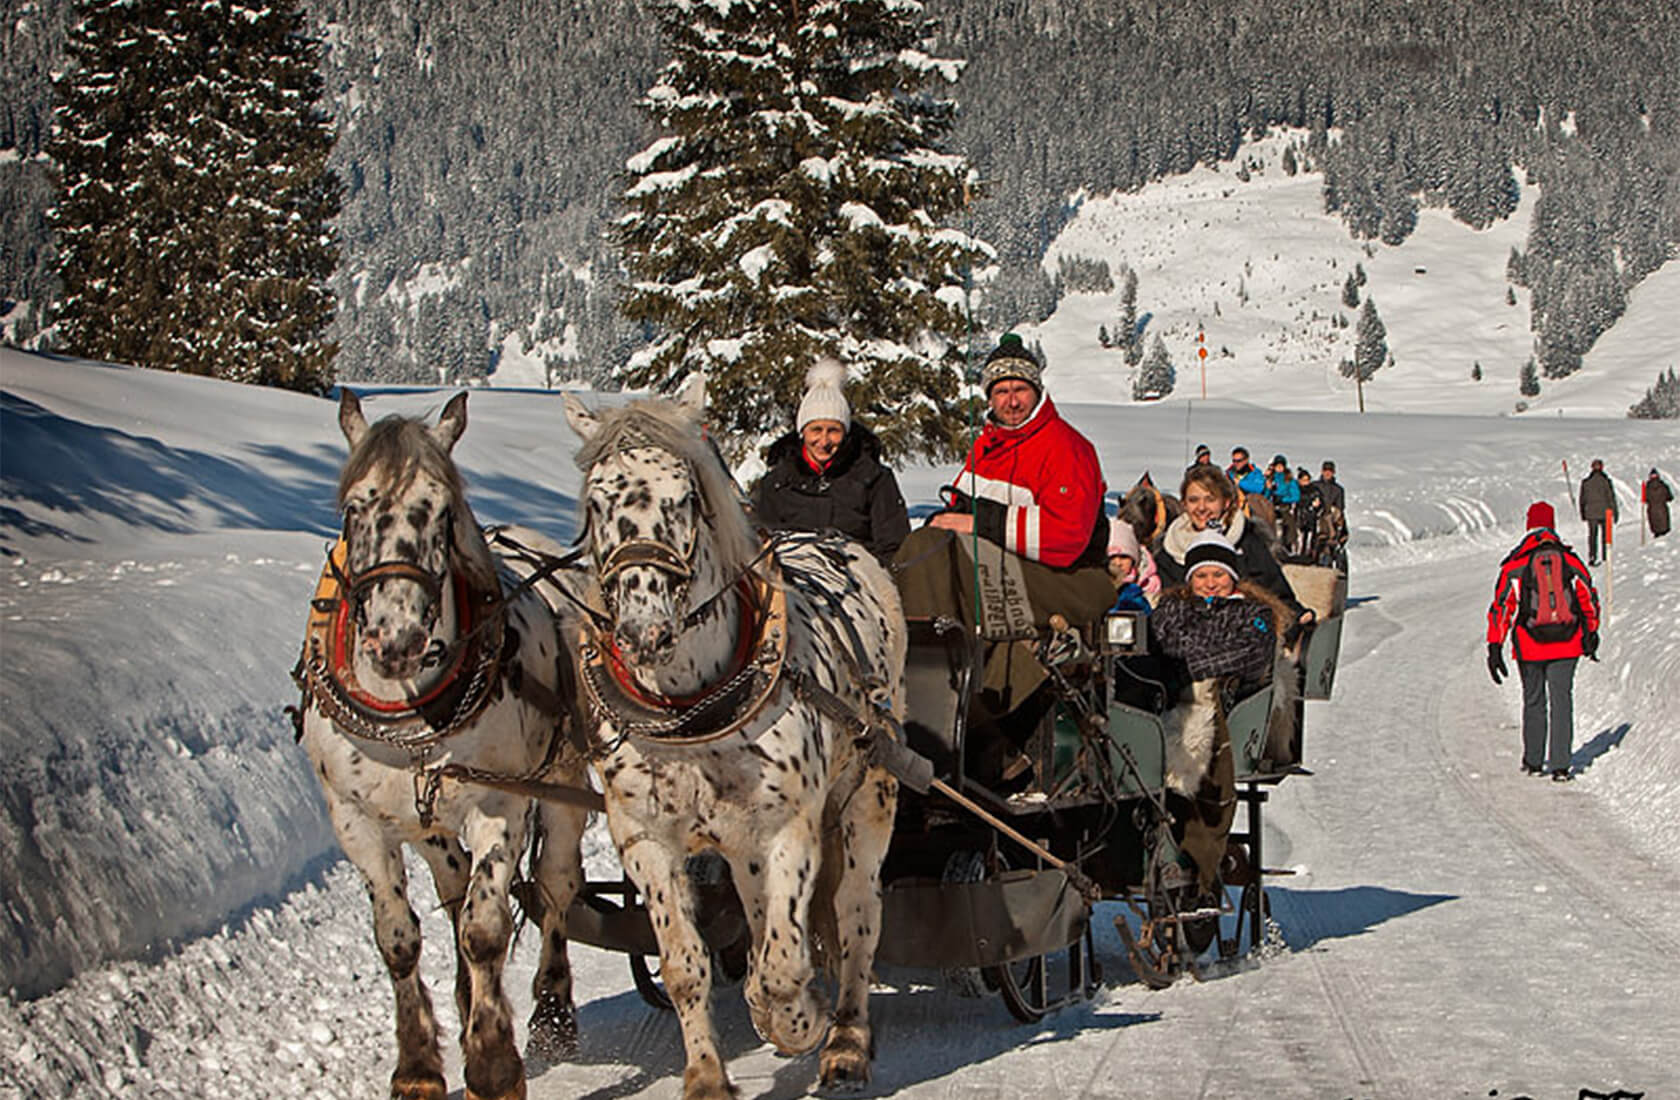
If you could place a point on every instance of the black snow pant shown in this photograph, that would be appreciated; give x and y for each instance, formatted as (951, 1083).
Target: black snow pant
(1548, 708)
(1595, 541)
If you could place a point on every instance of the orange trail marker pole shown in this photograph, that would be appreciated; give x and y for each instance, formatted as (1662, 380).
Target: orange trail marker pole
(1201, 353)
(1609, 564)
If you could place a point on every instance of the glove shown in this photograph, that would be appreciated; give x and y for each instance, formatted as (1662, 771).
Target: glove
(1589, 644)
(1496, 663)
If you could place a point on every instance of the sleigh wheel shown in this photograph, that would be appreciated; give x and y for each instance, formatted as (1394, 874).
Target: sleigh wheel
(1173, 927)
(1030, 989)
(644, 971)
(964, 866)
(1035, 986)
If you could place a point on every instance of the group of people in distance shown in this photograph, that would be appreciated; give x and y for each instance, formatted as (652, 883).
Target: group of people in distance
(1309, 516)
(1025, 523)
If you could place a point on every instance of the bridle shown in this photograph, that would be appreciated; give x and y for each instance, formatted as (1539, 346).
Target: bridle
(356, 584)
(470, 663)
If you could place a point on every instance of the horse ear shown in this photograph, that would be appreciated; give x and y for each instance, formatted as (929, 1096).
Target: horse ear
(692, 395)
(350, 419)
(452, 423)
(583, 422)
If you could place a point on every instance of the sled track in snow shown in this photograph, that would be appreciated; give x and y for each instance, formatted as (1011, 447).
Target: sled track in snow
(1561, 859)
(1339, 984)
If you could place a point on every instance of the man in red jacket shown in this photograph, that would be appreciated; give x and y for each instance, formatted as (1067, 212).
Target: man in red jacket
(1545, 600)
(1029, 505)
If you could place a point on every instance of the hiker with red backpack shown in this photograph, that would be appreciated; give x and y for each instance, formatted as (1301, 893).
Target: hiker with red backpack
(1545, 600)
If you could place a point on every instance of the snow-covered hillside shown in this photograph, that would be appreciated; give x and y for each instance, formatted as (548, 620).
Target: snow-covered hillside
(1259, 267)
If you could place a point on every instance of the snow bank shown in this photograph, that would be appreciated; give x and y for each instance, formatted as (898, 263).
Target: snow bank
(160, 536)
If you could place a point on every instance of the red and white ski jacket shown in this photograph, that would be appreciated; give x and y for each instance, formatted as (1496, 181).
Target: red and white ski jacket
(1038, 490)
(1507, 597)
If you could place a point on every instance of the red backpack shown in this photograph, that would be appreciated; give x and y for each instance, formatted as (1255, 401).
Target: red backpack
(1547, 608)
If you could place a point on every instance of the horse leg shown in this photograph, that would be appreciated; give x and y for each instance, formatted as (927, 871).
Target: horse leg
(419, 1072)
(559, 876)
(865, 830)
(684, 960)
(450, 865)
(786, 1008)
(492, 1062)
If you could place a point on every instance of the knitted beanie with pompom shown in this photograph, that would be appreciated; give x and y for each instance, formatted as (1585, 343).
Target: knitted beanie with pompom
(823, 397)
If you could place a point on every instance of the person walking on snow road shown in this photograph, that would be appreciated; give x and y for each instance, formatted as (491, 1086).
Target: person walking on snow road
(1598, 496)
(1657, 494)
(1544, 598)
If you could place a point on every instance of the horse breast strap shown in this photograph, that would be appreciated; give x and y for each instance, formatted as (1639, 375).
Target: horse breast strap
(720, 709)
(325, 675)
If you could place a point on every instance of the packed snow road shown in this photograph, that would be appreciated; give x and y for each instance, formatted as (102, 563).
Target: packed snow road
(1451, 928)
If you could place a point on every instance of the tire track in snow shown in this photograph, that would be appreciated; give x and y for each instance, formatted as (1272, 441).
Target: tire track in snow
(1582, 871)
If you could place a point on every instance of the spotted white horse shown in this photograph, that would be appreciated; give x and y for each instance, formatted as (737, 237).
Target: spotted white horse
(427, 671)
(735, 691)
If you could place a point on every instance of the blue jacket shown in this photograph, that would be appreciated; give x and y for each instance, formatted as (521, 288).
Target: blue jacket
(1282, 488)
(1252, 482)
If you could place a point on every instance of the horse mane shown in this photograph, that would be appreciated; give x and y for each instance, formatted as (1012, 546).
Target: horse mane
(395, 451)
(667, 426)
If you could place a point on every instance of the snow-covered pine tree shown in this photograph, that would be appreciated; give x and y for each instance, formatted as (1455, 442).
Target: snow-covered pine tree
(1370, 341)
(798, 203)
(194, 220)
(1350, 291)
(1156, 377)
(1661, 401)
(1126, 335)
(1528, 382)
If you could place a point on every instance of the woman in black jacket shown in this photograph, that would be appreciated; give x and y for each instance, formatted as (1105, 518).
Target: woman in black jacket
(827, 474)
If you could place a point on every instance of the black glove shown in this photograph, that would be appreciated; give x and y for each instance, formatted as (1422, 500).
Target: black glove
(1589, 644)
(1496, 663)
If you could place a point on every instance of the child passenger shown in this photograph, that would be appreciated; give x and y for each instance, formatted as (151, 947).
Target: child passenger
(1218, 627)
(1131, 567)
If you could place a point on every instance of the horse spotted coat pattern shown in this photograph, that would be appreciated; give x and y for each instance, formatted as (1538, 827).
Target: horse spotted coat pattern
(790, 799)
(403, 503)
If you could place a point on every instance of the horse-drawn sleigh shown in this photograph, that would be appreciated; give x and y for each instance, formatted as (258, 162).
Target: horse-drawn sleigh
(775, 800)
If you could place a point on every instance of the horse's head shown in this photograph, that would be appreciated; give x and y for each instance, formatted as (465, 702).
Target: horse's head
(664, 528)
(402, 502)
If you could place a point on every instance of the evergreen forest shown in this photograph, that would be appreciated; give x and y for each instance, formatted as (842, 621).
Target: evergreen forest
(482, 148)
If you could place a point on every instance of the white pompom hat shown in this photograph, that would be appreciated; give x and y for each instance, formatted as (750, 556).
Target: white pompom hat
(823, 397)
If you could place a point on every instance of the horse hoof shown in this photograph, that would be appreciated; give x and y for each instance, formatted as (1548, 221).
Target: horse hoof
(418, 1087)
(845, 1061)
(553, 1034)
(705, 1083)
(517, 1092)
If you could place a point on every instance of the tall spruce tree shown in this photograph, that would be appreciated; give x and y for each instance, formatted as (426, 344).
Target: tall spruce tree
(798, 203)
(1156, 378)
(194, 218)
(1126, 336)
(1370, 342)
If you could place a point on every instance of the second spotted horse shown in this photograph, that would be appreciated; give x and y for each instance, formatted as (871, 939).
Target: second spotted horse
(738, 691)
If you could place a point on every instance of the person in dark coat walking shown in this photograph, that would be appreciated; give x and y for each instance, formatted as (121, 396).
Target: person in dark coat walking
(1598, 496)
(1546, 654)
(827, 474)
(1657, 494)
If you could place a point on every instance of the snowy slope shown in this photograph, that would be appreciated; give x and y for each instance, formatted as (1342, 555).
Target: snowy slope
(1259, 268)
